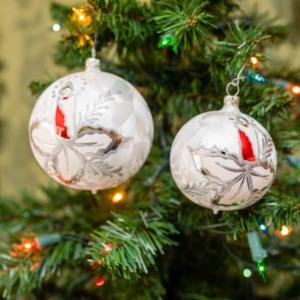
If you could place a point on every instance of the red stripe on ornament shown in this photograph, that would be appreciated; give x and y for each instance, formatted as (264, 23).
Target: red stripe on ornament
(61, 129)
(247, 150)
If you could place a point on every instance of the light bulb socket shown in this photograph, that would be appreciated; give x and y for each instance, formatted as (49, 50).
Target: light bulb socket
(257, 251)
(46, 240)
(293, 161)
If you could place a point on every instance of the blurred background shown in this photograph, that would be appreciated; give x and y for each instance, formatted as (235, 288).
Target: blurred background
(27, 42)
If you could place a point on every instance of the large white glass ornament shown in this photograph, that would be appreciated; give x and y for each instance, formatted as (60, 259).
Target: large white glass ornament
(91, 130)
(223, 160)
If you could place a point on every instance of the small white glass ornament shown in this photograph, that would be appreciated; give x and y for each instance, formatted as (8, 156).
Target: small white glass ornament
(223, 160)
(91, 130)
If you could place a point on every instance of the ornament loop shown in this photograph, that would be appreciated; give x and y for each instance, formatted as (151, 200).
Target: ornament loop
(234, 84)
(236, 81)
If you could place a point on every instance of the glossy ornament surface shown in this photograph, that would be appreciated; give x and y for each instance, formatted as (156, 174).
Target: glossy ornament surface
(91, 130)
(223, 160)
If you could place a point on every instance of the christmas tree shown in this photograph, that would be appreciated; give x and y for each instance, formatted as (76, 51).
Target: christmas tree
(143, 239)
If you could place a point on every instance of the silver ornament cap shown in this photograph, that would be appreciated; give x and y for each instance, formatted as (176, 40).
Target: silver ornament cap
(231, 100)
(92, 63)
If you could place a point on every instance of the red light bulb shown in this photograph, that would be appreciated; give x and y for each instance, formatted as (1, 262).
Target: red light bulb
(99, 281)
(107, 249)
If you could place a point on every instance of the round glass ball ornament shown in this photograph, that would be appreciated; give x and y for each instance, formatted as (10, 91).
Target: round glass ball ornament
(223, 160)
(91, 130)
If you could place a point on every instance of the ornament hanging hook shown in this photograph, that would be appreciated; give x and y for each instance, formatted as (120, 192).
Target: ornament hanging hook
(235, 82)
(95, 44)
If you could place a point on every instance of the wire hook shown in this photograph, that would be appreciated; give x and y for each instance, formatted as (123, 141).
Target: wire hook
(236, 81)
(95, 44)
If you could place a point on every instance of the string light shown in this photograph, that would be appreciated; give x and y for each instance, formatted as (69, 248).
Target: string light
(262, 269)
(56, 27)
(256, 77)
(14, 254)
(166, 40)
(26, 246)
(285, 230)
(247, 273)
(296, 90)
(34, 266)
(117, 197)
(287, 86)
(257, 252)
(293, 161)
(82, 16)
(108, 249)
(263, 227)
(96, 264)
(39, 242)
(254, 61)
(99, 281)
(26, 214)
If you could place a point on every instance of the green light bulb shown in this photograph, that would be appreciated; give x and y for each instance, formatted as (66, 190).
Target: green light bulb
(262, 269)
(166, 40)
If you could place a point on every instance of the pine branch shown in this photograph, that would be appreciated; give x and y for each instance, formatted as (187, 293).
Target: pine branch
(127, 247)
(188, 19)
(22, 273)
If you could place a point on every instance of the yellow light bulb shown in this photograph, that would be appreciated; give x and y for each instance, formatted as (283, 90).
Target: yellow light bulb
(284, 230)
(27, 245)
(296, 90)
(254, 60)
(117, 197)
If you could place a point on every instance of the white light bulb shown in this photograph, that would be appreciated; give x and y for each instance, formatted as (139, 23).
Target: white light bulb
(56, 27)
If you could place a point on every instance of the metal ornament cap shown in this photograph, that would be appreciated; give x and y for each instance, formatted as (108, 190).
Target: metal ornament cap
(223, 160)
(91, 130)
(92, 63)
(232, 100)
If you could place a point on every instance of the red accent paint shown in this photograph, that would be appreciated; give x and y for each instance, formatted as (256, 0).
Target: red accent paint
(61, 129)
(65, 98)
(247, 150)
